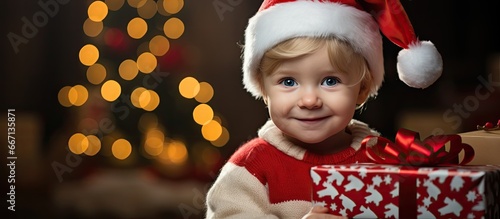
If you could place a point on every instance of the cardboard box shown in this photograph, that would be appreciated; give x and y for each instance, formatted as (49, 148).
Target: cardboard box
(486, 146)
(392, 191)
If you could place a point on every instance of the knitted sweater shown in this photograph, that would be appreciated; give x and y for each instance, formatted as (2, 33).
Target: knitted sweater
(269, 177)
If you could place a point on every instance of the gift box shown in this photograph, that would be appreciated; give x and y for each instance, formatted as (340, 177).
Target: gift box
(395, 191)
(486, 146)
(410, 178)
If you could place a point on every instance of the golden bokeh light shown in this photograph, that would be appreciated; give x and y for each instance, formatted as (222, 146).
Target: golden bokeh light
(202, 114)
(148, 9)
(223, 138)
(134, 97)
(97, 11)
(94, 145)
(174, 152)
(114, 5)
(153, 144)
(189, 87)
(111, 90)
(144, 99)
(96, 73)
(173, 28)
(136, 3)
(153, 151)
(211, 131)
(89, 54)
(159, 45)
(149, 100)
(154, 138)
(121, 149)
(206, 93)
(173, 6)
(63, 96)
(78, 95)
(146, 62)
(218, 119)
(161, 9)
(177, 152)
(92, 28)
(78, 143)
(128, 69)
(137, 27)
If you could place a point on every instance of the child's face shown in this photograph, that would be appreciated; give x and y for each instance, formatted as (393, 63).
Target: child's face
(309, 100)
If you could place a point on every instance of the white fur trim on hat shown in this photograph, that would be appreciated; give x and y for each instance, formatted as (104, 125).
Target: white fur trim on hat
(284, 21)
(420, 65)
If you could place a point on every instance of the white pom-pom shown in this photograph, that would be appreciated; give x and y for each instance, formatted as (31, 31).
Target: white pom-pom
(420, 65)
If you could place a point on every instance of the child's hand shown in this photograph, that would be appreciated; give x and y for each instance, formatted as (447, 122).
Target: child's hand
(321, 213)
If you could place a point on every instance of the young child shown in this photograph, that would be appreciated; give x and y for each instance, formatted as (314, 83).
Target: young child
(313, 63)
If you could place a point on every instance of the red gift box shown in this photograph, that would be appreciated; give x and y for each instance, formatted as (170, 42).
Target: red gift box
(392, 191)
(399, 186)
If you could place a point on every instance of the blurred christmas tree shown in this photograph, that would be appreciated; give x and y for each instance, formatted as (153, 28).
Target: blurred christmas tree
(138, 106)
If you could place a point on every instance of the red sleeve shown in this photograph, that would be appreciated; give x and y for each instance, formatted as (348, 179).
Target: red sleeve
(254, 156)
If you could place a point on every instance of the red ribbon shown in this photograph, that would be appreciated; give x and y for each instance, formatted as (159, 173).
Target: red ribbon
(408, 149)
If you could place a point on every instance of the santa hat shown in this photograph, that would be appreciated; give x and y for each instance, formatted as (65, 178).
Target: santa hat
(357, 22)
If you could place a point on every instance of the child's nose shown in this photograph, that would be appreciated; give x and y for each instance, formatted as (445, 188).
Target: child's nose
(310, 100)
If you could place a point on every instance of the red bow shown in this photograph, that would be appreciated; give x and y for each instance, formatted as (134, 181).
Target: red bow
(410, 150)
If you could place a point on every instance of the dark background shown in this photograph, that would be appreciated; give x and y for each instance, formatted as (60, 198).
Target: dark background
(466, 34)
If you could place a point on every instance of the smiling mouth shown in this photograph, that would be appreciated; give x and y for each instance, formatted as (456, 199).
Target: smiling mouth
(312, 119)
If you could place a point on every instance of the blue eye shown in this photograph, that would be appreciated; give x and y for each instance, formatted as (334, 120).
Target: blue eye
(330, 81)
(288, 82)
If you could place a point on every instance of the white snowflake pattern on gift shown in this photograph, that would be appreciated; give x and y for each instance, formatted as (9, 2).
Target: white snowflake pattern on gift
(392, 210)
(427, 201)
(418, 185)
(362, 172)
(457, 182)
(424, 213)
(376, 180)
(480, 188)
(395, 192)
(367, 213)
(452, 206)
(333, 206)
(473, 175)
(315, 177)
(354, 183)
(329, 190)
(347, 202)
(471, 196)
(342, 212)
(432, 190)
(441, 174)
(479, 206)
(335, 176)
(387, 179)
(374, 197)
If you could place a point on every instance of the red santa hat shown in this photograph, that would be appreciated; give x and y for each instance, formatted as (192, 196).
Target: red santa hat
(357, 22)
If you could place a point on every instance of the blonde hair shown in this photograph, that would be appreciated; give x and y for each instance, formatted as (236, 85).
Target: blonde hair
(341, 54)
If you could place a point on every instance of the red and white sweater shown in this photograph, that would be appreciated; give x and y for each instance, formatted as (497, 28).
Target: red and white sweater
(269, 177)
